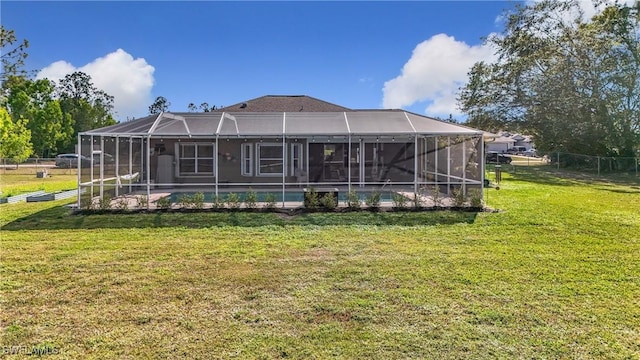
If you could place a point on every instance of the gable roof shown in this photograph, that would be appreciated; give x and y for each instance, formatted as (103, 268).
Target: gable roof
(283, 103)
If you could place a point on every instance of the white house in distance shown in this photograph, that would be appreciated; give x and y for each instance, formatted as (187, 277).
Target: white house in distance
(280, 145)
(505, 141)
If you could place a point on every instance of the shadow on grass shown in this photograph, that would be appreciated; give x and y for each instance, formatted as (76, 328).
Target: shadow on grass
(61, 217)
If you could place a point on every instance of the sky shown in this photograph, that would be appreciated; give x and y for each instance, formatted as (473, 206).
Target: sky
(362, 55)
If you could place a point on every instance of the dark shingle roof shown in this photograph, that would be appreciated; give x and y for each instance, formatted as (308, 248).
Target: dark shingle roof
(284, 103)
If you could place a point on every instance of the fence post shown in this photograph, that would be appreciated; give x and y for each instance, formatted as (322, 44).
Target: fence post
(598, 157)
(558, 162)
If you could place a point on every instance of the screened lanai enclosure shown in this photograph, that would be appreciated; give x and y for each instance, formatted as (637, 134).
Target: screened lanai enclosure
(282, 154)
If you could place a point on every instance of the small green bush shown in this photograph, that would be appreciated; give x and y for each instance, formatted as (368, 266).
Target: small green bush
(399, 201)
(270, 201)
(328, 201)
(417, 201)
(197, 200)
(459, 197)
(233, 201)
(122, 203)
(436, 196)
(353, 200)
(475, 198)
(311, 199)
(164, 203)
(251, 199)
(184, 201)
(105, 202)
(142, 201)
(373, 200)
(86, 203)
(216, 202)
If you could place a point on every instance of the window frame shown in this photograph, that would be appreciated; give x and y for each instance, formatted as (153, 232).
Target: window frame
(296, 147)
(259, 160)
(246, 154)
(196, 158)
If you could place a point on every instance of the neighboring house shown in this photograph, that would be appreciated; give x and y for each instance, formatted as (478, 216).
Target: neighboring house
(523, 140)
(499, 144)
(506, 142)
(283, 144)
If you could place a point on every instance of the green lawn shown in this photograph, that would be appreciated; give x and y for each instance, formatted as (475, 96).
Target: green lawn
(554, 274)
(23, 179)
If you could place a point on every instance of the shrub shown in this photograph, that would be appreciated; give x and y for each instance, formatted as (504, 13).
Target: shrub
(270, 201)
(164, 203)
(459, 197)
(86, 203)
(197, 200)
(399, 201)
(216, 202)
(311, 199)
(435, 196)
(233, 201)
(373, 200)
(251, 199)
(122, 203)
(475, 198)
(142, 201)
(184, 201)
(328, 201)
(417, 201)
(353, 200)
(105, 202)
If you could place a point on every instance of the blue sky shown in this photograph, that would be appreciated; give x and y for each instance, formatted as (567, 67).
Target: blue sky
(411, 55)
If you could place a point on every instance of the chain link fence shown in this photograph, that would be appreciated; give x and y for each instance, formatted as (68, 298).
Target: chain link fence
(599, 165)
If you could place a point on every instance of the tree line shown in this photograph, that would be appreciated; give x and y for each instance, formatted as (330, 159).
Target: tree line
(39, 117)
(42, 118)
(572, 83)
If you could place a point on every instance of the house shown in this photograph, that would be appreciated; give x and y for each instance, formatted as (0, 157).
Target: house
(282, 145)
(500, 144)
(507, 142)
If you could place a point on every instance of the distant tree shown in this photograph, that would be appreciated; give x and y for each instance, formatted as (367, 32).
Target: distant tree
(15, 138)
(160, 104)
(12, 54)
(34, 102)
(573, 83)
(88, 107)
(206, 108)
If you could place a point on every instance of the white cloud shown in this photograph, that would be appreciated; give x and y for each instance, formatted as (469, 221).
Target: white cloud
(127, 79)
(433, 74)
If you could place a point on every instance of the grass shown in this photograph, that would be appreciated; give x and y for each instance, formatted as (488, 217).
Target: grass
(17, 181)
(554, 274)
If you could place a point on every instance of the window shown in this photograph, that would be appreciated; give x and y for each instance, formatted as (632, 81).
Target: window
(296, 159)
(195, 159)
(270, 158)
(247, 159)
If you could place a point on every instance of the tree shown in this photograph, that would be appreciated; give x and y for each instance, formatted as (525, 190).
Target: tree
(572, 83)
(33, 101)
(12, 55)
(15, 138)
(206, 108)
(160, 104)
(87, 107)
